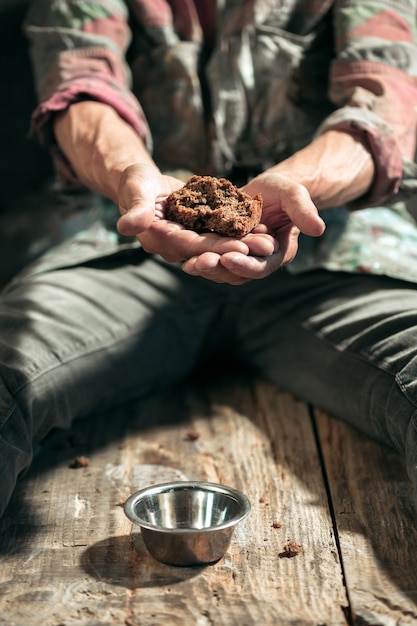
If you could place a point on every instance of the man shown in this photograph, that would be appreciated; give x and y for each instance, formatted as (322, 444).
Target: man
(311, 105)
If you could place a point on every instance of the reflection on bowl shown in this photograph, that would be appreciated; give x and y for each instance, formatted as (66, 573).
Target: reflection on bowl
(187, 522)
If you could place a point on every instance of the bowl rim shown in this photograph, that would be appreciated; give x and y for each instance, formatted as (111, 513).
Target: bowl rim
(241, 498)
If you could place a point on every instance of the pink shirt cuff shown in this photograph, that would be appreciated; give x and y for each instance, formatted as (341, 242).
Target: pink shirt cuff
(124, 104)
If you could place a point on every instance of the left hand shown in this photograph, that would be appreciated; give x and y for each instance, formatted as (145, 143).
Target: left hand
(287, 211)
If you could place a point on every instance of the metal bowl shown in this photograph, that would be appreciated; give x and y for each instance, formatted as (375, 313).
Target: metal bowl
(187, 522)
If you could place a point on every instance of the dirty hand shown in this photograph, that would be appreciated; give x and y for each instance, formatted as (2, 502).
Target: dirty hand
(287, 211)
(142, 192)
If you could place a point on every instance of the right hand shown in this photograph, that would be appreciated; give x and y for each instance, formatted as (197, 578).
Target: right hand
(287, 211)
(142, 191)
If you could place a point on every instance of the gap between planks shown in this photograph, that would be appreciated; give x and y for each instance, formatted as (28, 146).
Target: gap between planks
(70, 557)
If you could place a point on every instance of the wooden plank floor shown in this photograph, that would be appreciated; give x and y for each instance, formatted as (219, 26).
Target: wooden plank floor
(69, 556)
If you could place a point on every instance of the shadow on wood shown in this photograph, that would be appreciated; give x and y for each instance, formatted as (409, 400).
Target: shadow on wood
(67, 545)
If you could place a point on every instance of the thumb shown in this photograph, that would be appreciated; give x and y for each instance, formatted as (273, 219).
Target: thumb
(283, 194)
(135, 219)
(136, 199)
(303, 212)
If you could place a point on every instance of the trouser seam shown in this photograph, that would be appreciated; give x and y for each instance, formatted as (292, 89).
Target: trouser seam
(7, 413)
(404, 390)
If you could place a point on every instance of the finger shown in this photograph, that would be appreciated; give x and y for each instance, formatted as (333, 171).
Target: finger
(175, 243)
(288, 245)
(254, 268)
(303, 212)
(208, 266)
(260, 244)
(137, 198)
(251, 267)
(135, 220)
(203, 263)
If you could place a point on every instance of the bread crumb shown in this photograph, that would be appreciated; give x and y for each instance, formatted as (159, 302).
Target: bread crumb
(192, 435)
(80, 461)
(276, 524)
(290, 550)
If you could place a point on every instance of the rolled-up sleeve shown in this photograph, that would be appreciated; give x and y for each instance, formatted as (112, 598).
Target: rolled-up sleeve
(78, 53)
(374, 86)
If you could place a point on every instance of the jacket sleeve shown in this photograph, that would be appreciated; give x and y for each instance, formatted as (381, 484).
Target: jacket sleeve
(78, 53)
(373, 83)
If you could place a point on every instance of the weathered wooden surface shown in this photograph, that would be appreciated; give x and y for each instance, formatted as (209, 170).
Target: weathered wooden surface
(376, 524)
(69, 557)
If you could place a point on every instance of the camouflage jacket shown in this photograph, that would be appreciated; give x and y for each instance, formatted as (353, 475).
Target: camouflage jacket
(230, 87)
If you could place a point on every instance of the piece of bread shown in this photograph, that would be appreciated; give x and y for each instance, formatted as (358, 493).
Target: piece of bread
(207, 204)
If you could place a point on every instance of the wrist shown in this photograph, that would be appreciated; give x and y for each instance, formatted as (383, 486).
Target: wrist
(99, 145)
(336, 168)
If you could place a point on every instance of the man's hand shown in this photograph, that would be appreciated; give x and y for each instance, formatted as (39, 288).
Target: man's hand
(287, 211)
(110, 158)
(142, 192)
(334, 169)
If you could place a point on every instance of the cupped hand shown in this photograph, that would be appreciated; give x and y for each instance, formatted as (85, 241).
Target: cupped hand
(287, 211)
(142, 192)
(142, 189)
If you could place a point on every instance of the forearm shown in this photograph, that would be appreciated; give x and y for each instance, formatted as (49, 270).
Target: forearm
(99, 145)
(335, 168)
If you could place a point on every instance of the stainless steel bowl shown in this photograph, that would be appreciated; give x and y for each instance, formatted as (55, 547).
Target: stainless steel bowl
(187, 522)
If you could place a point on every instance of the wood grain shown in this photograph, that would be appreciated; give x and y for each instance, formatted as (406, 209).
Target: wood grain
(70, 557)
(376, 524)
